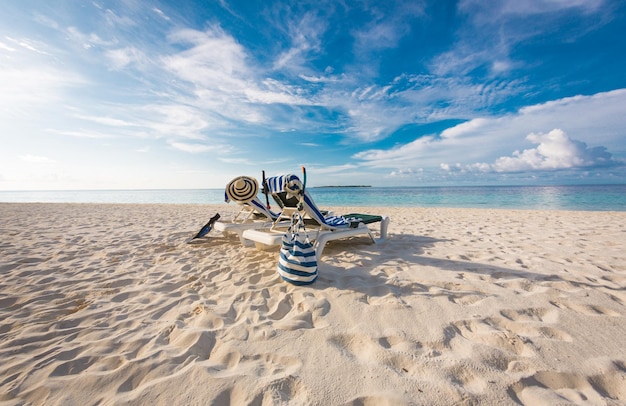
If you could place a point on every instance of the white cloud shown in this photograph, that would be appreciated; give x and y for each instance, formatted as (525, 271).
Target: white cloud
(527, 7)
(321, 78)
(36, 159)
(114, 20)
(406, 173)
(87, 41)
(492, 31)
(237, 161)
(380, 35)
(24, 87)
(464, 128)
(28, 44)
(399, 156)
(555, 151)
(6, 47)
(388, 23)
(123, 57)
(82, 133)
(334, 169)
(193, 148)
(161, 14)
(374, 112)
(304, 34)
(276, 92)
(174, 120)
(214, 59)
(45, 20)
(218, 68)
(204, 86)
(109, 121)
(590, 120)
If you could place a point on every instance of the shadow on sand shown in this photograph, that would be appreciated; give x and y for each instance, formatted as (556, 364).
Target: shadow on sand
(376, 267)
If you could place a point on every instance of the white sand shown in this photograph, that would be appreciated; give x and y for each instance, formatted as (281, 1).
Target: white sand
(107, 304)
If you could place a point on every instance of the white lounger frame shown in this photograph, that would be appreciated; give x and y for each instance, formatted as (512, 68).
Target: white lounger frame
(266, 238)
(243, 221)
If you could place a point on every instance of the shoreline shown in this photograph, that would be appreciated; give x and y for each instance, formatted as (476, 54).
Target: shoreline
(586, 198)
(231, 208)
(490, 306)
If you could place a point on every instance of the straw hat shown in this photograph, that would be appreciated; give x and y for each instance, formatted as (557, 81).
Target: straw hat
(242, 189)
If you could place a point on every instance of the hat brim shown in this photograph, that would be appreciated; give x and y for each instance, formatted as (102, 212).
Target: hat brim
(242, 189)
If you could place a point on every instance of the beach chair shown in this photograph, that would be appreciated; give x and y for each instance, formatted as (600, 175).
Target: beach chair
(321, 228)
(285, 191)
(253, 213)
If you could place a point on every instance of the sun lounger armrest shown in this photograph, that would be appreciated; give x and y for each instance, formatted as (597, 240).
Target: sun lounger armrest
(263, 237)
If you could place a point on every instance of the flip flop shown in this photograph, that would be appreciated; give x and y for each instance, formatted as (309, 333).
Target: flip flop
(207, 227)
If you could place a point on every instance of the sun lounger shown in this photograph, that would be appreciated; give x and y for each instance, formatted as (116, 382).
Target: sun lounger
(253, 214)
(320, 228)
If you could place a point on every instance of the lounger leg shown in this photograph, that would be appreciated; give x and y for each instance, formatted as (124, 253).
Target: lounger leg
(244, 242)
(321, 240)
(319, 245)
(384, 224)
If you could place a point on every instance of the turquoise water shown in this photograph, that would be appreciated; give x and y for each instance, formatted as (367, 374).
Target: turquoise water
(588, 197)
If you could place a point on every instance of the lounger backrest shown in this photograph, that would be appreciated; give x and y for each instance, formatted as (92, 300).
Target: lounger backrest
(260, 207)
(284, 183)
(286, 190)
(312, 210)
(257, 206)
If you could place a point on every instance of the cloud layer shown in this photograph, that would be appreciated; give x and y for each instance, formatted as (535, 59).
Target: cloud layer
(355, 90)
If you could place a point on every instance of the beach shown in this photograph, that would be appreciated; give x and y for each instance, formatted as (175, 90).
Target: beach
(108, 304)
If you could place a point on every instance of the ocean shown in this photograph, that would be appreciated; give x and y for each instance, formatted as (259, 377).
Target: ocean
(582, 197)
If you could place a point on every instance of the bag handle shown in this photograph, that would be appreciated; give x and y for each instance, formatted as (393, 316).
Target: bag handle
(297, 226)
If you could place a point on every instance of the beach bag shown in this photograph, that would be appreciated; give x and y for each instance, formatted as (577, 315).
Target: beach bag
(297, 263)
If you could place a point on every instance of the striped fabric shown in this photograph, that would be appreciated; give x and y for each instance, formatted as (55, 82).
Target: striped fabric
(293, 186)
(285, 183)
(336, 221)
(297, 263)
(261, 208)
(332, 222)
(258, 206)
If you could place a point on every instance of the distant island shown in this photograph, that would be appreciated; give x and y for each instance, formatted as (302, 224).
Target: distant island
(342, 186)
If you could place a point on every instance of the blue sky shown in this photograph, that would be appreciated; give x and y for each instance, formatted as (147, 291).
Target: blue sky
(148, 94)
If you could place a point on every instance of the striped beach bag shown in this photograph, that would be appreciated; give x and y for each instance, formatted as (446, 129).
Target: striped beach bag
(297, 263)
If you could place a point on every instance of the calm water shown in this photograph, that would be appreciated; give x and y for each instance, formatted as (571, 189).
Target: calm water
(595, 197)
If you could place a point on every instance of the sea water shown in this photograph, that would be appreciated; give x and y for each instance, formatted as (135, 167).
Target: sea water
(587, 197)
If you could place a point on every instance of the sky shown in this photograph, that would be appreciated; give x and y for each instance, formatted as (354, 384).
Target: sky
(136, 94)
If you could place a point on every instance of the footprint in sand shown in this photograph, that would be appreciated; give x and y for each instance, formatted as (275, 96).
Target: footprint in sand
(458, 293)
(299, 310)
(394, 352)
(531, 314)
(588, 310)
(193, 342)
(391, 400)
(263, 312)
(466, 376)
(289, 390)
(225, 362)
(513, 332)
(551, 387)
(282, 308)
(488, 332)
